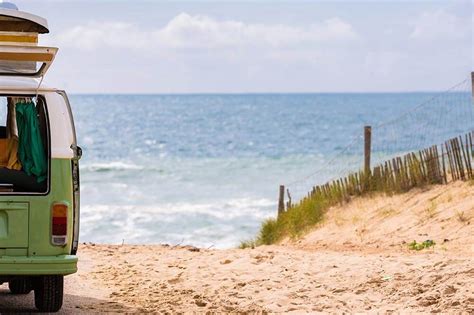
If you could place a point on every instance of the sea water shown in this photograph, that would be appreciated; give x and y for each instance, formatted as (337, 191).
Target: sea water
(204, 170)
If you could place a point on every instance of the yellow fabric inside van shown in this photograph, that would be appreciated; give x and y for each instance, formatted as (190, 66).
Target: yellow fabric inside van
(9, 154)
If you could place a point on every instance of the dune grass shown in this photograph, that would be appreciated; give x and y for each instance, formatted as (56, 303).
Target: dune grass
(435, 165)
(292, 223)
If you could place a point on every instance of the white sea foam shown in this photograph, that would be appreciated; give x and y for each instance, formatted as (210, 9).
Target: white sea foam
(222, 224)
(222, 210)
(111, 166)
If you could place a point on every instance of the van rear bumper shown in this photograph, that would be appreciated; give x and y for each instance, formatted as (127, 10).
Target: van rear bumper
(31, 266)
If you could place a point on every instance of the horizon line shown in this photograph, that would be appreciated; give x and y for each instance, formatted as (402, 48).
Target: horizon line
(255, 93)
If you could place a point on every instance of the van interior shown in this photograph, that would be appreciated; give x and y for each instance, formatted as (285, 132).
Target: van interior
(24, 145)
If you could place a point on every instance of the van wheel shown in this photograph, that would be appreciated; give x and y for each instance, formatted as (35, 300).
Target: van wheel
(20, 286)
(49, 293)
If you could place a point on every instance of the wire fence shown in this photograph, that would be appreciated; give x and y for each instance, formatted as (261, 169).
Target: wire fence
(438, 164)
(395, 144)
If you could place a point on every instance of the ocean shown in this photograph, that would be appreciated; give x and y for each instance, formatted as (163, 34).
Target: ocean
(204, 170)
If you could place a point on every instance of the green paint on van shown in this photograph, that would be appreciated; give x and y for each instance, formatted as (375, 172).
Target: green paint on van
(27, 249)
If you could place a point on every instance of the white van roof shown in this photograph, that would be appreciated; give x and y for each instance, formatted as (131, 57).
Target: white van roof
(19, 21)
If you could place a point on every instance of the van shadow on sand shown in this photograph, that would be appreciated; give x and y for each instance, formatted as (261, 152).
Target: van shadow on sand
(73, 304)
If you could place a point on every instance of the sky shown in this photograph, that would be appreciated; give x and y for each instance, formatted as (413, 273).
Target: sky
(257, 46)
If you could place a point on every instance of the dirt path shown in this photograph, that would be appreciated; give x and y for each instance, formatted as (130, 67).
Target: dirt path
(279, 279)
(356, 261)
(273, 279)
(82, 295)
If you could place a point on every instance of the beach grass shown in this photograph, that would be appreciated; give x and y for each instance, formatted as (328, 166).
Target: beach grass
(435, 165)
(292, 223)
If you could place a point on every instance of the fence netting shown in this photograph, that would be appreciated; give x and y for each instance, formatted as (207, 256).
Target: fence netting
(440, 117)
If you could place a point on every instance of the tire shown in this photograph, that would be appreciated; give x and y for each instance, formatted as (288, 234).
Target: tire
(20, 286)
(49, 293)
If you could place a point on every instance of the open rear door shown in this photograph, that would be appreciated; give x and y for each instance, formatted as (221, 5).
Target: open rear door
(26, 61)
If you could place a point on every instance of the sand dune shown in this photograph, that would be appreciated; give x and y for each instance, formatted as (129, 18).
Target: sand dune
(442, 213)
(357, 261)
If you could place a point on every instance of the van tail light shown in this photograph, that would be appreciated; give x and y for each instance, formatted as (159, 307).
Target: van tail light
(59, 224)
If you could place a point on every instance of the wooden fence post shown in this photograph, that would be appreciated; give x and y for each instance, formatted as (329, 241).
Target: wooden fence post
(472, 82)
(367, 148)
(281, 200)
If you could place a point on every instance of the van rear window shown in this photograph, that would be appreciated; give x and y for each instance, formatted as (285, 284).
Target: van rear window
(24, 145)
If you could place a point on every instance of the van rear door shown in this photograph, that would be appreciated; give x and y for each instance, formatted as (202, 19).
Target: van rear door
(14, 220)
(24, 60)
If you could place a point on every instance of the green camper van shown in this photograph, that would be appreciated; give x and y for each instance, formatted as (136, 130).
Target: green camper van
(39, 174)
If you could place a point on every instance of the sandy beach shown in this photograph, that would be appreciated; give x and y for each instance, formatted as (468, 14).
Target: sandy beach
(357, 261)
(237, 157)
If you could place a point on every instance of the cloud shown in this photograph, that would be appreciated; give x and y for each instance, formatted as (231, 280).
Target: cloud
(440, 24)
(190, 31)
(203, 53)
(186, 31)
(95, 35)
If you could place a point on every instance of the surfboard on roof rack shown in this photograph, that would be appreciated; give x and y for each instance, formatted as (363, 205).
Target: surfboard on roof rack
(20, 54)
(12, 20)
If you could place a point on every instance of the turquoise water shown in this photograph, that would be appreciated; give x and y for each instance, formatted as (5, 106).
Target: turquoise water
(204, 169)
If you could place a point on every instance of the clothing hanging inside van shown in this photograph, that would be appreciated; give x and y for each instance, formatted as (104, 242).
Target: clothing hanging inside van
(9, 154)
(9, 142)
(30, 149)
